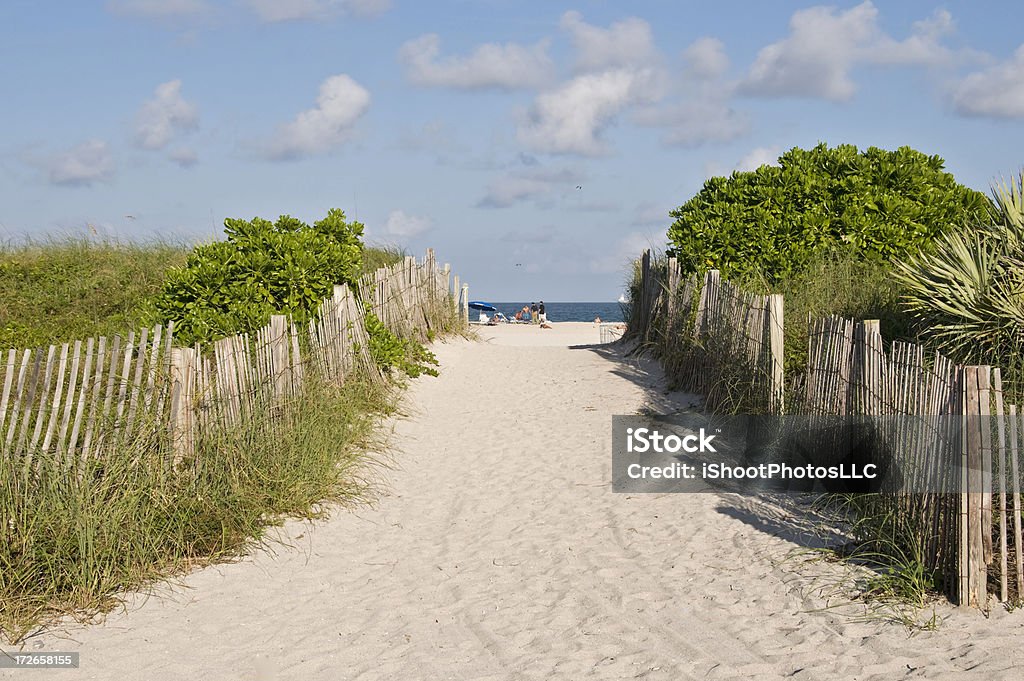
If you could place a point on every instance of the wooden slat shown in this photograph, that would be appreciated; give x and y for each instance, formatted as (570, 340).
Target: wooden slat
(999, 454)
(5, 396)
(1018, 538)
(970, 394)
(44, 397)
(83, 396)
(26, 408)
(51, 427)
(135, 392)
(124, 377)
(154, 368)
(65, 420)
(94, 402)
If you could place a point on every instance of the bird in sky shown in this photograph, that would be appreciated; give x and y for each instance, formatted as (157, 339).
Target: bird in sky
(579, 186)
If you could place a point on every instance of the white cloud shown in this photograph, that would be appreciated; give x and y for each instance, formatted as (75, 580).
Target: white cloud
(341, 102)
(704, 117)
(273, 11)
(825, 44)
(757, 157)
(166, 114)
(701, 112)
(706, 58)
(83, 165)
(625, 43)
(404, 226)
(507, 66)
(184, 157)
(537, 184)
(997, 91)
(570, 119)
(158, 9)
(923, 46)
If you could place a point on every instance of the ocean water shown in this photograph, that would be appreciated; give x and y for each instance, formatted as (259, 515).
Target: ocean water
(567, 312)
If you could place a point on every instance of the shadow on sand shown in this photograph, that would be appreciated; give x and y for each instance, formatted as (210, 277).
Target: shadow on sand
(791, 516)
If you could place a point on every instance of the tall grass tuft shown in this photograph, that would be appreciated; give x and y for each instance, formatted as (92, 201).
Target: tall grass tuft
(376, 257)
(74, 538)
(838, 283)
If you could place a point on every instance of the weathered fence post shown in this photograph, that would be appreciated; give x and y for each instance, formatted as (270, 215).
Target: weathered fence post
(1000, 470)
(776, 353)
(972, 563)
(183, 370)
(465, 303)
(1018, 536)
(673, 295)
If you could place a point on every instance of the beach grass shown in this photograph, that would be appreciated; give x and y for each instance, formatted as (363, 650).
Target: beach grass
(72, 542)
(57, 290)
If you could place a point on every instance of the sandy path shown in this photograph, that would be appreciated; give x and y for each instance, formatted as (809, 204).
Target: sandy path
(500, 553)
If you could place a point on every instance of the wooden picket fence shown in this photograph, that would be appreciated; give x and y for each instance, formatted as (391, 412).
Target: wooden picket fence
(713, 337)
(61, 405)
(952, 439)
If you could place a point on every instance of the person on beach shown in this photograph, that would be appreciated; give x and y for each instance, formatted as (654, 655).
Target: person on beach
(534, 316)
(541, 314)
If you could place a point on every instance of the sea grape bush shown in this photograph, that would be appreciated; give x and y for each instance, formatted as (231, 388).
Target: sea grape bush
(388, 350)
(773, 221)
(262, 269)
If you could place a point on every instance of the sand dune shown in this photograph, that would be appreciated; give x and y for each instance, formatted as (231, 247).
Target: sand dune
(499, 552)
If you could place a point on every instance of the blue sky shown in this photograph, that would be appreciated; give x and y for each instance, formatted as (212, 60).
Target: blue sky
(468, 125)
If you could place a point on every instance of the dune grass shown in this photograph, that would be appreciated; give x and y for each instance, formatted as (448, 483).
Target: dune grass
(376, 257)
(64, 289)
(71, 543)
(841, 284)
(58, 290)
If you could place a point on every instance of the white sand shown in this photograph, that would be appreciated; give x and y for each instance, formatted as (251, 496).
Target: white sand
(500, 552)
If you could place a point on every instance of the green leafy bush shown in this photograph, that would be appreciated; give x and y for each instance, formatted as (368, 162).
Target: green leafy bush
(388, 350)
(284, 267)
(774, 220)
(262, 269)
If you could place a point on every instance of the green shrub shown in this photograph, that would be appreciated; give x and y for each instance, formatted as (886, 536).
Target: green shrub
(774, 220)
(286, 267)
(262, 269)
(388, 350)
